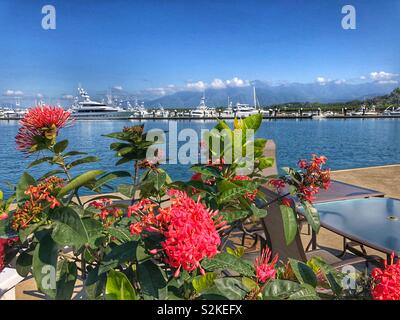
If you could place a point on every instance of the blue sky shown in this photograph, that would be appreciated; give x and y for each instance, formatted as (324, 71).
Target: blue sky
(139, 45)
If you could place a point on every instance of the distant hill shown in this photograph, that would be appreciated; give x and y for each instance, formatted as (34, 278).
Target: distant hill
(392, 99)
(277, 94)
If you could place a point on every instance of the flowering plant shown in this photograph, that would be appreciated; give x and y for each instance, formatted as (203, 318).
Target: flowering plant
(156, 238)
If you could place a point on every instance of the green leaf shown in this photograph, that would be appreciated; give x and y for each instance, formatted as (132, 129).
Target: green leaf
(109, 177)
(258, 212)
(250, 284)
(265, 163)
(118, 287)
(226, 261)
(88, 159)
(152, 280)
(237, 252)
(25, 181)
(25, 233)
(204, 282)
(125, 252)
(44, 265)
(79, 181)
(206, 171)
(24, 263)
(306, 292)
(60, 146)
(127, 190)
(74, 153)
(330, 273)
(312, 216)
(121, 234)
(252, 122)
(39, 161)
(68, 228)
(231, 288)
(94, 230)
(280, 289)
(231, 216)
(94, 284)
(67, 273)
(158, 178)
(260, 143)
(289, 223)
(303, 272)
(231, 194)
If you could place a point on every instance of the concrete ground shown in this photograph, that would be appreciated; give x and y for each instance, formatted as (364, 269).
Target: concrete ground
(385, 179)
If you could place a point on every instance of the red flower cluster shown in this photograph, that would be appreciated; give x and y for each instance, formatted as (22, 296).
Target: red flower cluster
(278, 184)
(251, 195)
(4, 244)
(42, 122)
(314, 177)
(42, 196)
(107, 213)
(190, 229)
(265, 269)
(386, 281)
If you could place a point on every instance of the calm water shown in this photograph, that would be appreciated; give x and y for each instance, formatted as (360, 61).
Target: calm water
(347, 143)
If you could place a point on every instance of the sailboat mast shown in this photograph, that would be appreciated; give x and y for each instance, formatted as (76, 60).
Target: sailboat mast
(254, 97)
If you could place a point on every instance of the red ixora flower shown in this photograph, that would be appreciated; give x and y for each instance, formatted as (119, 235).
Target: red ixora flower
(42, 122)
(265, 269)
(41, 197)
(278, 184)
(386, 281)
(314, 177)
(251, 195)
(106, 209)
(4, 244)
(189, 227)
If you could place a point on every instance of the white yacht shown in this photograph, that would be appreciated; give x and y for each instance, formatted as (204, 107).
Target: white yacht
(244, 110)
(365, 111)
(202, 111)
(85, 108)
(392, 111)
(228, 112)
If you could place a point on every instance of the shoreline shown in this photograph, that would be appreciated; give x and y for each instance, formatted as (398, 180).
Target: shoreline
(286, 117)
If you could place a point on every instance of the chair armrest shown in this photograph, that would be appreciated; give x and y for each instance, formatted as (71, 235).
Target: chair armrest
(348, 262)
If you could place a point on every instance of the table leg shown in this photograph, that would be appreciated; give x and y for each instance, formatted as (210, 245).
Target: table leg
(313, 240)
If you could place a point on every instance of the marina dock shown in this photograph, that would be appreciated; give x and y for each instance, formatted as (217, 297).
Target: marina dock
(277, 117)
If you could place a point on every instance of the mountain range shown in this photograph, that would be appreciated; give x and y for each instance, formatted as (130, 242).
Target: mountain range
(268, 94)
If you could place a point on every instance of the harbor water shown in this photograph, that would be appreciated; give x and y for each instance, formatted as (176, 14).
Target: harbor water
(348, 143)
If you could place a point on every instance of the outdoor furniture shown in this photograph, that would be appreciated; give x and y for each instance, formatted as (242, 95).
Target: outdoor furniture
(274, 238)
(373, 222)
(343, 191)
(340, 191)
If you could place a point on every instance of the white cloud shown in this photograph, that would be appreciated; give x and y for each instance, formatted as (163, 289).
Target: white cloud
(218, 84)
(322, 80)
(68, 97)
(197, 86)
(237, 82)
(13, 93)
(363, 77)
(119, 88)
(382, 76)
(340, 81)
(388, 81)
(39, 96)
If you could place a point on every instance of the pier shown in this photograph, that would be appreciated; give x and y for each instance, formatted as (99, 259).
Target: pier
(266, 117)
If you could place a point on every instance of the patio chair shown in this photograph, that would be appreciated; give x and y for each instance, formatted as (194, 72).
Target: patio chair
(274, 237)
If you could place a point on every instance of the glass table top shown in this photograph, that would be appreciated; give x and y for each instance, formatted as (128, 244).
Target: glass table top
(374, 222)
